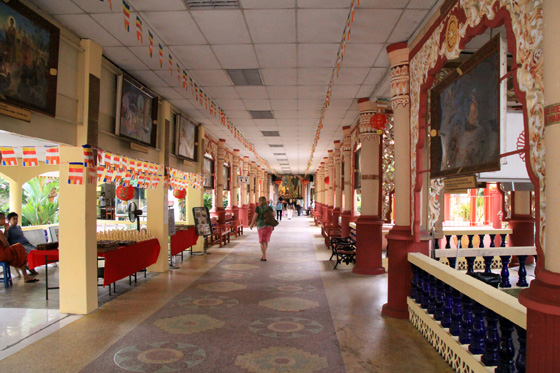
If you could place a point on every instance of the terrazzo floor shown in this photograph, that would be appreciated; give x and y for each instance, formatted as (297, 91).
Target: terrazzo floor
(338, 328)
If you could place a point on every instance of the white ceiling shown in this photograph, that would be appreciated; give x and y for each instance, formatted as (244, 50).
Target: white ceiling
(293, 42)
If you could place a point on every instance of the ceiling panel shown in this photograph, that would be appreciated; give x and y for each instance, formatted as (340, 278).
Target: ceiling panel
(279, 76)
(127, 60)
(57, 6)
(252, 92)
(267, 4)
(282, 92)
(321, 25)
(374, 25)
(211, 78)
(174, 28)
(196, 56)
(410, 20)
(222, 92)
(236, 56)
(276, 55)
(272, 25)
(83, 24)
(223, 26)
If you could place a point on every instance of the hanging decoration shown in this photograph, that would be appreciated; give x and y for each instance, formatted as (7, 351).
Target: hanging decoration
(187, 82)
(327, 180)
(125, 193)
(179, 193)
(53, 155)
(76, 173)
(334, 75)
(8, 156)
(29, 157)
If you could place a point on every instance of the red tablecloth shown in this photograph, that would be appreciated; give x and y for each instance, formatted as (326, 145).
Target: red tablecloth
(127, 260)
(182, 240)
(36, 258)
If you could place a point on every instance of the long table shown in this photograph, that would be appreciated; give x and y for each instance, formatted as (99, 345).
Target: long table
(127, 260)
(182, 240)
(37, 258)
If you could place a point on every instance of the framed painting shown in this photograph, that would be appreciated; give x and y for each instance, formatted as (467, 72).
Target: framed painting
(186, 138)
(137, 109)
(467, 108)
(208, 173)
(28, 58)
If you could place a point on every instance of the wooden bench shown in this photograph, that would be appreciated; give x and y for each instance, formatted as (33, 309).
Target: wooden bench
(344, 248)
(236, 226)
(220, 234)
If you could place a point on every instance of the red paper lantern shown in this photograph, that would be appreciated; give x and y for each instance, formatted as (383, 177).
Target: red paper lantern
(125, 193)
(278, 182)
(179, 193)
(305, 182)
(327, 180)
(378, 121)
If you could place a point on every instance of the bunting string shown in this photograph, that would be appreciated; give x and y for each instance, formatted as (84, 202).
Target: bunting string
(334, 75)
(187, 82)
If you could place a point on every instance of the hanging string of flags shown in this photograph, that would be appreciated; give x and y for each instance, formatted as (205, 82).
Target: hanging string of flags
(29, 155)
(334, 75)
(187, 81)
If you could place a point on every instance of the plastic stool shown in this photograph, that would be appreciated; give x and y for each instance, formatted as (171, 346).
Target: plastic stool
(7, 274)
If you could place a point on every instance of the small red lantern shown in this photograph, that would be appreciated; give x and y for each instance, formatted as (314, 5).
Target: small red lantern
(125, 193)
(327, 180)
(378, 121)
(278, 182)
(179, 193)
(305, 182)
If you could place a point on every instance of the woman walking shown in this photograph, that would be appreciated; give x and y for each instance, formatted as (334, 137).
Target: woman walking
(265, 231)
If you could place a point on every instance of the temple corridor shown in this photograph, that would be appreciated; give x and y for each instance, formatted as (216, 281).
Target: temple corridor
(229, 311)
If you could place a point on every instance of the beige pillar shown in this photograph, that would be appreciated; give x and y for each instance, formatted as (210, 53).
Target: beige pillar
(16, 191)
(244, 212)
(157, 198)
(329, 189)
(337, 187)
(347, 210)
(252, 186)
(369, 237)
(77, 209)
(219, 207)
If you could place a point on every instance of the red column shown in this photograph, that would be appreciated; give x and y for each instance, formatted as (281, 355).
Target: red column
(400, 271)
(369, 236)
(472, 193)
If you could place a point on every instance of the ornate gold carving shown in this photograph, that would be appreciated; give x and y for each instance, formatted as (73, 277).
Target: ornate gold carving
(451, 34)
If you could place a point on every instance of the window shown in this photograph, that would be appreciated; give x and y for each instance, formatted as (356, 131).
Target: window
(227, 178)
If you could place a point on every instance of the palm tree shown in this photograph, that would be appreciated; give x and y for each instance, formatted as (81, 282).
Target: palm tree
(42, 202)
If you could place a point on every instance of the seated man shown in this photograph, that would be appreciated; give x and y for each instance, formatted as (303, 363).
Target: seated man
(15, 255)
(14, 234)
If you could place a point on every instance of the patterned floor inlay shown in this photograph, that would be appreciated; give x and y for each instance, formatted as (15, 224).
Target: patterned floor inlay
(243, 315)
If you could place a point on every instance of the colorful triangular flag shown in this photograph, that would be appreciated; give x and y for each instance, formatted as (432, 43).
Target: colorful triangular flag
(88, 156)
(76, 173)
(29, 157)
(53, 155)
(126, 10)
(8, 156)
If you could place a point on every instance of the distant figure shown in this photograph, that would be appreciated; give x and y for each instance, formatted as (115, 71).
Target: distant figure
(103, 205)
(279, 208)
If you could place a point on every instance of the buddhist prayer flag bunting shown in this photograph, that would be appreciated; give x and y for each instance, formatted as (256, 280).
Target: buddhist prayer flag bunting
(170, 64)
(8, 156)
(88, 156)
(29, 157)
(76, 173)
(151, 43)
(108, 175)
(52, 155)
(126, 10)
(108, 159)
(118, 177)
(110, 4)
(116, 161)
(160, 56)
(91, 175)
(100, 171)
(126, 179)
(139, 35)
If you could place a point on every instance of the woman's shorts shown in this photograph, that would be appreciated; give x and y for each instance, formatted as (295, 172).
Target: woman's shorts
(265, 233)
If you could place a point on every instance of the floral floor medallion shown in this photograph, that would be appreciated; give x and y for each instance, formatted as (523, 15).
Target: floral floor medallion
(291, 276)
(235, 275)
(209, 302)
(288, 304)
(292, 260)
(285, 327)
(291, 289)
(281, 359)
(239, 267)
(222, 287)
(189, 324)
(159, 357)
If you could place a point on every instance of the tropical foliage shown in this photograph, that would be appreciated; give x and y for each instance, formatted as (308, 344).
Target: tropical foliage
(41, 201)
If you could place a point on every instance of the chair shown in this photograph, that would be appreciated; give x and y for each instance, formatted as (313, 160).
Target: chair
(7, 274)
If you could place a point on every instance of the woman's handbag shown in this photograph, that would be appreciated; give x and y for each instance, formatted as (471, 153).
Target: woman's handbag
(269, 218)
